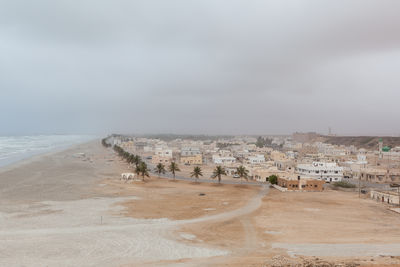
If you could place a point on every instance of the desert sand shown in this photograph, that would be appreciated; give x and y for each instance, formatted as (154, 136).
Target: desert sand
(71, 209)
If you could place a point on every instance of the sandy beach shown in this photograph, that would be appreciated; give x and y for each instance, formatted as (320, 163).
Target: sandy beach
(70, 208)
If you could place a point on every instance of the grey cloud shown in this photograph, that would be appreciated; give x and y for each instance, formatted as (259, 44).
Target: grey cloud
(199, 66)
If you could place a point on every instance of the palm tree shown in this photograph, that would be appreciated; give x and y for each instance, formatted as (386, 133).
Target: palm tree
(218, 171)
(119, 150)
(242, 172)
(131, 159)
(125, 155)
(143, 170)
(196, 172)
(160, 168)
(173, 167)
(137, 170)
(136, 160)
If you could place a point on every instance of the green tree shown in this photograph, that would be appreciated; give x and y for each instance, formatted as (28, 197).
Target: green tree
(242, 172)
(267, 142)
(137, 170)
(160, 168)
(143, 170)
(273, 179)
(125, 155)
(218, 172)
(104, 142)
(196, 172)
(173, 167)
(136, 160)
(131, 159)
(260, 142)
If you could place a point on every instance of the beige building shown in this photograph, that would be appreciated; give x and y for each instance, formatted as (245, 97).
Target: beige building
(285, 164)
(390, 197)
(301, 184)
(277, 155)
(261, 174)
(195, 159)
(160, 159)
(379, 175)
(128, 145)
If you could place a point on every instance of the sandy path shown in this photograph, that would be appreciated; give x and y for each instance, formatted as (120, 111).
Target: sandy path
(240, 215)
(252, 205)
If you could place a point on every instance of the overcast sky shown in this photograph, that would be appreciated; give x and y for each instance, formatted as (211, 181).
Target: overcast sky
(209, 66)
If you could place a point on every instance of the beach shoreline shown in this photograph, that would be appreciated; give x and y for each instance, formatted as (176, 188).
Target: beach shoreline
(15, 162)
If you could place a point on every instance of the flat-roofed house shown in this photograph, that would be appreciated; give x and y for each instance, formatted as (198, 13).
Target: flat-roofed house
(327, 171)
(160, 159)
(379, 175)
(390, 197)
(256, 159)
(223, 160)
(163, 152)
(194, 159)
(190, 151)
(293, 184)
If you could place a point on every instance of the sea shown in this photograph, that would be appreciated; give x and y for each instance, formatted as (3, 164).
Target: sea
(17, 148)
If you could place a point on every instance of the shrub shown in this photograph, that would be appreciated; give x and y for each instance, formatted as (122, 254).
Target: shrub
(344, 184)
(273, 179)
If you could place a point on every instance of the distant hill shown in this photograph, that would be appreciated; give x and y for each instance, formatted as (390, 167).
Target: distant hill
(367, 142)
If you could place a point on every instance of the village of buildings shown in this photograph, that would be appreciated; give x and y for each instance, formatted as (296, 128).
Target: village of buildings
(301, 161)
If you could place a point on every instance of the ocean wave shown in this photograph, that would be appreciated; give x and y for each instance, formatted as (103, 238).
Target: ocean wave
(14, 148)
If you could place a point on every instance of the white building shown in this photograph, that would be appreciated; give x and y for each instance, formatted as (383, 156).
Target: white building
(148, 149)
(256, 159)
(190, 151)
(225, 153)
(329, 172)
(362, 157)
(163, 152)
(291, 154)
(223, 160)
(114, 140)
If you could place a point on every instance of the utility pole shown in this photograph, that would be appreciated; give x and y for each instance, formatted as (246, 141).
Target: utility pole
(359, 181)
